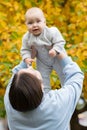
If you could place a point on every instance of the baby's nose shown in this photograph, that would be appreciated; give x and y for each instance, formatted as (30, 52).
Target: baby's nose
(34, 24)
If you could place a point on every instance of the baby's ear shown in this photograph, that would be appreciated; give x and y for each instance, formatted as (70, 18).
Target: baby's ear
(25, 23)
(45, 20)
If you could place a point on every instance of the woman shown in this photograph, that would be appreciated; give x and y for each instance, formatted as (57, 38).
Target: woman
(27, 105)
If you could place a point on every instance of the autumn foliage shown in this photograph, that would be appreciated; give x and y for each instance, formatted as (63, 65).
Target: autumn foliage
(70, 16)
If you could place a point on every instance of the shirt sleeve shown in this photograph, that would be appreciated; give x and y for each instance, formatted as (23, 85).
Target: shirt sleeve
(57, 39)
(25, 49)
(73, 83)
(18, 67)
(67, 96)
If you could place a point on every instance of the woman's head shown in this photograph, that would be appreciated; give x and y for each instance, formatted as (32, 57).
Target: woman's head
(26, 90)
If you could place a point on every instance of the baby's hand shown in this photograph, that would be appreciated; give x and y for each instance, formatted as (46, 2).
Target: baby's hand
(29, 61)
(52, 53)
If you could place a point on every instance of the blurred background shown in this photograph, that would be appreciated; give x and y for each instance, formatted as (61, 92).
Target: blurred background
(70, 16)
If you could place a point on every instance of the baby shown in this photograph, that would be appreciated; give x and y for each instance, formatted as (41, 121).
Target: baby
(42, 42)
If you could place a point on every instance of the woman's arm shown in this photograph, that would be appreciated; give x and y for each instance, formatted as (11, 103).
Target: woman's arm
(73, 78)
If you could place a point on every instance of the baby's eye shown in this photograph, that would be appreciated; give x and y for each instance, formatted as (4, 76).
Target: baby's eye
(38, 21)
(29, 22)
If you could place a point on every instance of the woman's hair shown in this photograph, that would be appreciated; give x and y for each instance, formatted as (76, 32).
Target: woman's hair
(25, 93)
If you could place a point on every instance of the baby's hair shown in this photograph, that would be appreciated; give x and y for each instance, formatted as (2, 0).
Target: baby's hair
(33, 10)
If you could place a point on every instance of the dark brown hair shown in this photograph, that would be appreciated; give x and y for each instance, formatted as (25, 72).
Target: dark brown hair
(25, 93)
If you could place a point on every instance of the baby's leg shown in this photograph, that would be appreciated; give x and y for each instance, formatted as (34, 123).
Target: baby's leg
(33, 52)
(45, 72)
(57, 67)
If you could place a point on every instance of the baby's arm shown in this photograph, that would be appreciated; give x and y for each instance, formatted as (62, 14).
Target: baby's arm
(28, 53)
(57, 40)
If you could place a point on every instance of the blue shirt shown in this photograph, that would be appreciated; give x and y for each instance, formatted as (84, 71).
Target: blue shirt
(57, 106)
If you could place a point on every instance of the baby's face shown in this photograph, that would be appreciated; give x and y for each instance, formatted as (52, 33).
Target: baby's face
(35, 22)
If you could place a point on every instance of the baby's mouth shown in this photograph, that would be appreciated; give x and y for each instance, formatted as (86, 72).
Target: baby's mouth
(35, 30)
